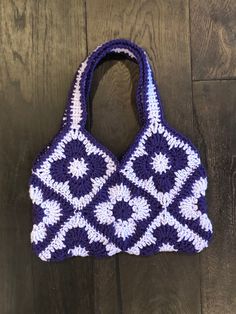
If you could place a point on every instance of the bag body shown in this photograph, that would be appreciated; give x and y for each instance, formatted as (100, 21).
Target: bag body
(87, 202)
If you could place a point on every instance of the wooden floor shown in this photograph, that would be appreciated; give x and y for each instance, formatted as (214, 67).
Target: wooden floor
(192, 47)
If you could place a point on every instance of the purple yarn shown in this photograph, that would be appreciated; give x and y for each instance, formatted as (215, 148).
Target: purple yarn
(87, 202)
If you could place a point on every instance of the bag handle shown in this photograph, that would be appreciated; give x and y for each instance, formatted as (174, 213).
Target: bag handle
(147, 96)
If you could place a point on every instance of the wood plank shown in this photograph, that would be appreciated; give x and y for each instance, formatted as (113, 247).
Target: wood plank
(213, 39)
(106, 284)
(43, 42)
(165, 283)
(216, 119)
(16, 283)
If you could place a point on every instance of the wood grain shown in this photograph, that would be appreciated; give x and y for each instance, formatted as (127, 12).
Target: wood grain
(165, 283)
(216, 119)
(213, 30)
(39, 58)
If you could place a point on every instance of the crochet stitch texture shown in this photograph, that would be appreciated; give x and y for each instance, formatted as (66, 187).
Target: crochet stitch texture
(87, 202)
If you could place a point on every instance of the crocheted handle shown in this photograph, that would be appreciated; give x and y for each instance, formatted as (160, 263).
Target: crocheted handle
(76, 112)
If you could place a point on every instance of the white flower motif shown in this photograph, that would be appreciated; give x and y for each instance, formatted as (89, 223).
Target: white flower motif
(38, 233)
(205, 223)
(36, 195)
(138, 206)
(160, 163)
(112, 249)
(124, 228)
(78, 168)
(189, 208)
(78, 251)
(45, 255)
(119, 192)
(104, 213)
(166, 247)
(199, 187)
(52, 212)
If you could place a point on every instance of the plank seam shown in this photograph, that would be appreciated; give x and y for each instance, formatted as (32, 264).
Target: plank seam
(193, 114)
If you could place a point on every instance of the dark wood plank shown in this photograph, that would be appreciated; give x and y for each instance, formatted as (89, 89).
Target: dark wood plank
(213, 39)
(165, 283)
(106, 286)
(216, 120)
(43, 42)
(16, 283)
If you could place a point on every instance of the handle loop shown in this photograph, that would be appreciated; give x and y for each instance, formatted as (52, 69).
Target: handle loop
(147, 96)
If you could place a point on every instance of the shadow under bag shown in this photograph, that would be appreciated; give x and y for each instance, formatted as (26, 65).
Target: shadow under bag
(87, 202)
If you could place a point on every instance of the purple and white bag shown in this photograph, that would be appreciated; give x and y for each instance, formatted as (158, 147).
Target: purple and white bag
(87, 202)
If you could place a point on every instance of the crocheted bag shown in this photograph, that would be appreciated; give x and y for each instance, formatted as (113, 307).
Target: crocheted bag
(87, 202)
